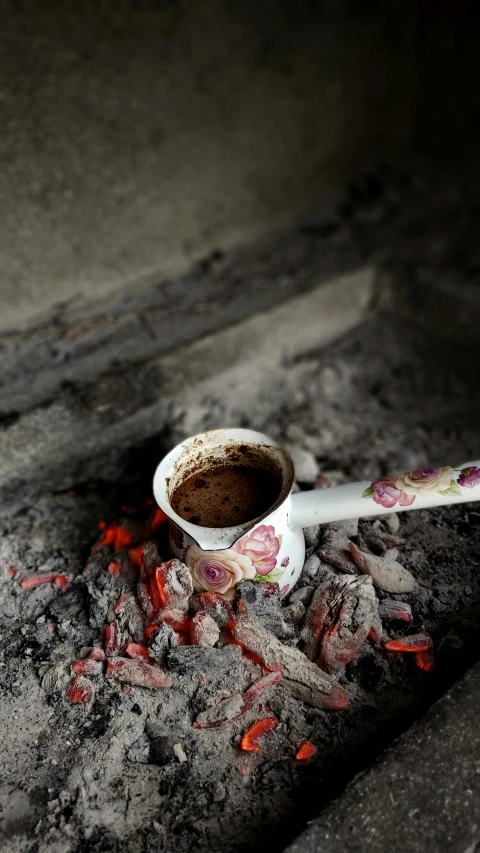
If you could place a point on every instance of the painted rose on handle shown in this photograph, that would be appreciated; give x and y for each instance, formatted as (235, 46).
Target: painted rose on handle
(385, 493)
(426, 481)
(389, 491)
(469, 477)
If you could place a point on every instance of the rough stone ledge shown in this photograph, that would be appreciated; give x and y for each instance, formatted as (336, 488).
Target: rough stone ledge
(422, 795)
(82, 339)
(87, 426)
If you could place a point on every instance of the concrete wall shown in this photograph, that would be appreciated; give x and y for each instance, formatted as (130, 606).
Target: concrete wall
(136, 137)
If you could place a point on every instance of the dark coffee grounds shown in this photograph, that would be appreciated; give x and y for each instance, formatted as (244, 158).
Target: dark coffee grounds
(225, 495)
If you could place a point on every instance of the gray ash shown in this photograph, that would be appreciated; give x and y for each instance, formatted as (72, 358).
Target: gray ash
(133, 752)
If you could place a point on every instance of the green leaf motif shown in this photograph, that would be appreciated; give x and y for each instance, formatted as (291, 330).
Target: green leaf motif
(453, 489)
(368, 493)
(280, 538)
(273, 577)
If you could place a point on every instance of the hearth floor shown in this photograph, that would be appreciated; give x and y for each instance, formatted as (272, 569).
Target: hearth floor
(374, 403)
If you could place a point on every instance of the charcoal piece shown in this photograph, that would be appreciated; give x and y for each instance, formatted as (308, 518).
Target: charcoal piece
(229, 708)
(54, 678)
(392, 521)
(155, 746)
(390, 608)
(303, 594)
(376, 630)
(340, 560)
(70, 605)
(312, 535)
(294, 613)
(139, 752)
(187, 660)
(259, 597)
(162, 640)
(215, 605)
(291, 662)
(137, 672)
(262, 599)
(312, 565)
(175, 580)
(339, 620)
(76, 632)
(131, 619)
(151, 557)
(389, 576)
(348, 526)
(204, 630)
(97, 606)
(161, 750)
(376, 545)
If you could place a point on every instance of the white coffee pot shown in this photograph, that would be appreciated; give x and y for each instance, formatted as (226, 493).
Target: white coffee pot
(272, 546)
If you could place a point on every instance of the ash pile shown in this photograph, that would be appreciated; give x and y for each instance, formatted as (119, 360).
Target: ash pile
(218, 688)
(135, 620)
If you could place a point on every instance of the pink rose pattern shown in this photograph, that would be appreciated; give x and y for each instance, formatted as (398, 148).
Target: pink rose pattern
(389, 491)
(469, 478)
(218, 571)
(261, 546)
(385, 493)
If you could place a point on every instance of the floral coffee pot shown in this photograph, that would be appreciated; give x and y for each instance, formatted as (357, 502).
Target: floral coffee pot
(272, 547)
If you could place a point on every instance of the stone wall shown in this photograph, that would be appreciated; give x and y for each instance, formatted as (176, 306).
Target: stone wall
(139, 136)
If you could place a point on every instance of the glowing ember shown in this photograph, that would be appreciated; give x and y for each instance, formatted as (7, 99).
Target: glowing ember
(260, 729)
(174, 584)
(232, 707)
(112, 639)
(117, 536)
(217, 606)
(249, 696)
(39, 580)
(158, 520)
(302, 676)
(176, 619)
(305, 751)
(157, 595)
(144, 600)
(375, 633)
(80, 689)
(395, 610)
(136, 556)
(425, 661)
(89, 666)
(121, 601)
(412, 643)
(137, 651)
(203, 630)
(137, 672)
(97, 654)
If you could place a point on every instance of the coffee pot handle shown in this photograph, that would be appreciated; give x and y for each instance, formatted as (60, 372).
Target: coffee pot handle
(414, 490)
